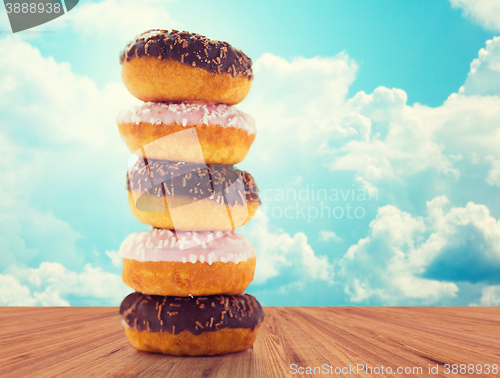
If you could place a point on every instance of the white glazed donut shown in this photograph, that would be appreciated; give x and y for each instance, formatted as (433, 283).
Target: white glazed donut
(164, 262)
(196, 133)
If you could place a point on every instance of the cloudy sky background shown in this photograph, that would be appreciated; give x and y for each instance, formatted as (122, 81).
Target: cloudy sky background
(391, 109)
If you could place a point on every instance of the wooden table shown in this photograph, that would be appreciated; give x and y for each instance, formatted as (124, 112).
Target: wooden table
(86, 342)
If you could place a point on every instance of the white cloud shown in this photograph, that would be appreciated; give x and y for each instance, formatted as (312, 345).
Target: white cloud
(490, 296)
(408, 260)
(467, 125)
(121, 18)
(302, 112)
(485, 12)
(28, 236)
(279, 253)
(398, 141)
(327, 235)
(4, 22)
(43, 102)
(296, 106)
(484, 75)
(60, 144)
(115, 257)
(494, 173)
(51, 284)
(385, 142)
(12, 293)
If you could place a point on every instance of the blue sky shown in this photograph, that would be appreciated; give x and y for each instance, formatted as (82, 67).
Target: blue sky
(377, 150)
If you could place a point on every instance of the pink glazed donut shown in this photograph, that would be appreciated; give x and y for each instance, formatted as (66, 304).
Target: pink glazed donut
(176, 263)
(195, 133)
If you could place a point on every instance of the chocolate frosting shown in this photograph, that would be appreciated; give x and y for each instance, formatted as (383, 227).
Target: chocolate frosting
(156, 313)
(220, 183)
(191, 49)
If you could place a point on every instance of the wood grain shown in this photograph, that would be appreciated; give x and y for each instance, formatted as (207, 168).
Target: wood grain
(90, 342)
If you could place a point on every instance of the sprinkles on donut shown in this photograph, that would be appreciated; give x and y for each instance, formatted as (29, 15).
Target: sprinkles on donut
(165, 262)
(195, 326)
(162, 65)
(223, 133)
(191, 197)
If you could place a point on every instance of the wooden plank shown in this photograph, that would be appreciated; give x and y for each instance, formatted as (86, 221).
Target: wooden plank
(85, 341)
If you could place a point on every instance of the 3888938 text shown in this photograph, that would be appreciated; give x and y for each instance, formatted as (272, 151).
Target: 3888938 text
(33, 8)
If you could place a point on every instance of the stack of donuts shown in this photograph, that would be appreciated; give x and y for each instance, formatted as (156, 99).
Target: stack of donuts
(191, 270)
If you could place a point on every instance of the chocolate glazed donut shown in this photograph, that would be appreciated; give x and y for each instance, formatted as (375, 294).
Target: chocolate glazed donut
(191, 197)
(161, 65)
(191, 49)
(215, 324)
(196, 181)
